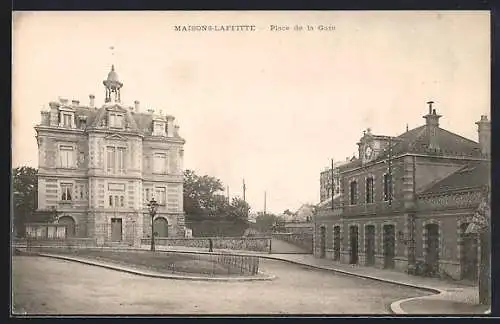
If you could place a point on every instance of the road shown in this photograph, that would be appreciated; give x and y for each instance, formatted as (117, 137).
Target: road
(280, 246)
(49, 286)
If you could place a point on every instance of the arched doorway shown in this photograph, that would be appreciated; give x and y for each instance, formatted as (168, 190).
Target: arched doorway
(389, 237)
(469, 257)
(322, 243)
(370, 244)
(354, 245)
(161, 227)
(432, 255)
(70, 225)
(336, 243)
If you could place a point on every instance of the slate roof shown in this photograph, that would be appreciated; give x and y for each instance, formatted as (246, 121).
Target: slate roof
(472, 175)
(327, 204)
(417, 140)
(142, 122)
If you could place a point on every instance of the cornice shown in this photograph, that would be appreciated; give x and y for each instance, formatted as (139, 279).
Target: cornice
(450, 192)
(163, 139)
(450, 157)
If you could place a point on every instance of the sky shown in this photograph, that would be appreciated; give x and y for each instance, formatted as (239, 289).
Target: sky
(270, 107)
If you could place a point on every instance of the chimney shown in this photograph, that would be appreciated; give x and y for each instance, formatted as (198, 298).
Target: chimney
(75, 102)
(484, 132)
(54, 113)
(91, 101)
(136, 105)
(45, 120)
(176, 131)
(170, 126)
(151, 111)
(63, 101)
(432, 125)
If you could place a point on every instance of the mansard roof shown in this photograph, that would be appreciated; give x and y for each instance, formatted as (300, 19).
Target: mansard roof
(472, 175)
(101, 114)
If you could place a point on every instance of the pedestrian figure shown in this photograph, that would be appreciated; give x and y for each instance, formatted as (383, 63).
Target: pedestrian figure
(211, 245)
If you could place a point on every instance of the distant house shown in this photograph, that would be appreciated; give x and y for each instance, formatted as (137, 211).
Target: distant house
(304, 213)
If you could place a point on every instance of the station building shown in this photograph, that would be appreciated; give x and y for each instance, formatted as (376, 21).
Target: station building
(405, 202)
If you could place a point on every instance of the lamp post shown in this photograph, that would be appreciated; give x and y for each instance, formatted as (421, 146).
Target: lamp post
(153, 207)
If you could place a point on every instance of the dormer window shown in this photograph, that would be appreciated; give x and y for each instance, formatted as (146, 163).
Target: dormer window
(82, 122)
(159, 128)
(66, 117)
(115, 120)
(66, 120)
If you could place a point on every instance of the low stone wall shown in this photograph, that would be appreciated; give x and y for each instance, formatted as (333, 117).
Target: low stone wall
(303, 240)
(67, 243)
(259, 244)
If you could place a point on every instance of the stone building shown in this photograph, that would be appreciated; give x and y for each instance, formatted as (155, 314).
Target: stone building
(100, 165)
(405, 202)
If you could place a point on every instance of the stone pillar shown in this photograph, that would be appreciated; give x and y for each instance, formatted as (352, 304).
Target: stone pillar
(409, 206)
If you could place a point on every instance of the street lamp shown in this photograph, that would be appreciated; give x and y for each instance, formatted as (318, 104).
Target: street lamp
(153, 207)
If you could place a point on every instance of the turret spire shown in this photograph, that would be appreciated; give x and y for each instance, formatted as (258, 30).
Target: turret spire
(112, 83)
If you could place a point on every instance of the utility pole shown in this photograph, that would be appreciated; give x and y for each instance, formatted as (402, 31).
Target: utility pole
(244, 195)
(244, 190)
(389, 172)
(228, 199)
(265, 198)
(333, 186)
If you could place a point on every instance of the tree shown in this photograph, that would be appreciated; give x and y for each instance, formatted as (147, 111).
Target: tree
(266, 222)
(218, 206)
(480, 223)
(239, 209)
(200, 195)
(25, 192)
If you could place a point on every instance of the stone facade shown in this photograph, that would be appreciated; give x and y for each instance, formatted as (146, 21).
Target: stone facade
(100, 166)
(405, 201)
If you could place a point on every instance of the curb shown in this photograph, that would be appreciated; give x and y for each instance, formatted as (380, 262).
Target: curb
(160, 275)
(429, 289)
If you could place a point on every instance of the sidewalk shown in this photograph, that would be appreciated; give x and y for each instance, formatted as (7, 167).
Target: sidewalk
(445, 297)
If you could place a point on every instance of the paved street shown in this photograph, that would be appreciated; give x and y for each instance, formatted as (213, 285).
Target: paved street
(48, 286)
(281, 246)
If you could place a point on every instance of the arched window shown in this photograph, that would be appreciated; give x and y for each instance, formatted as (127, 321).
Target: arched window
(369, 190)
(354, 192)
